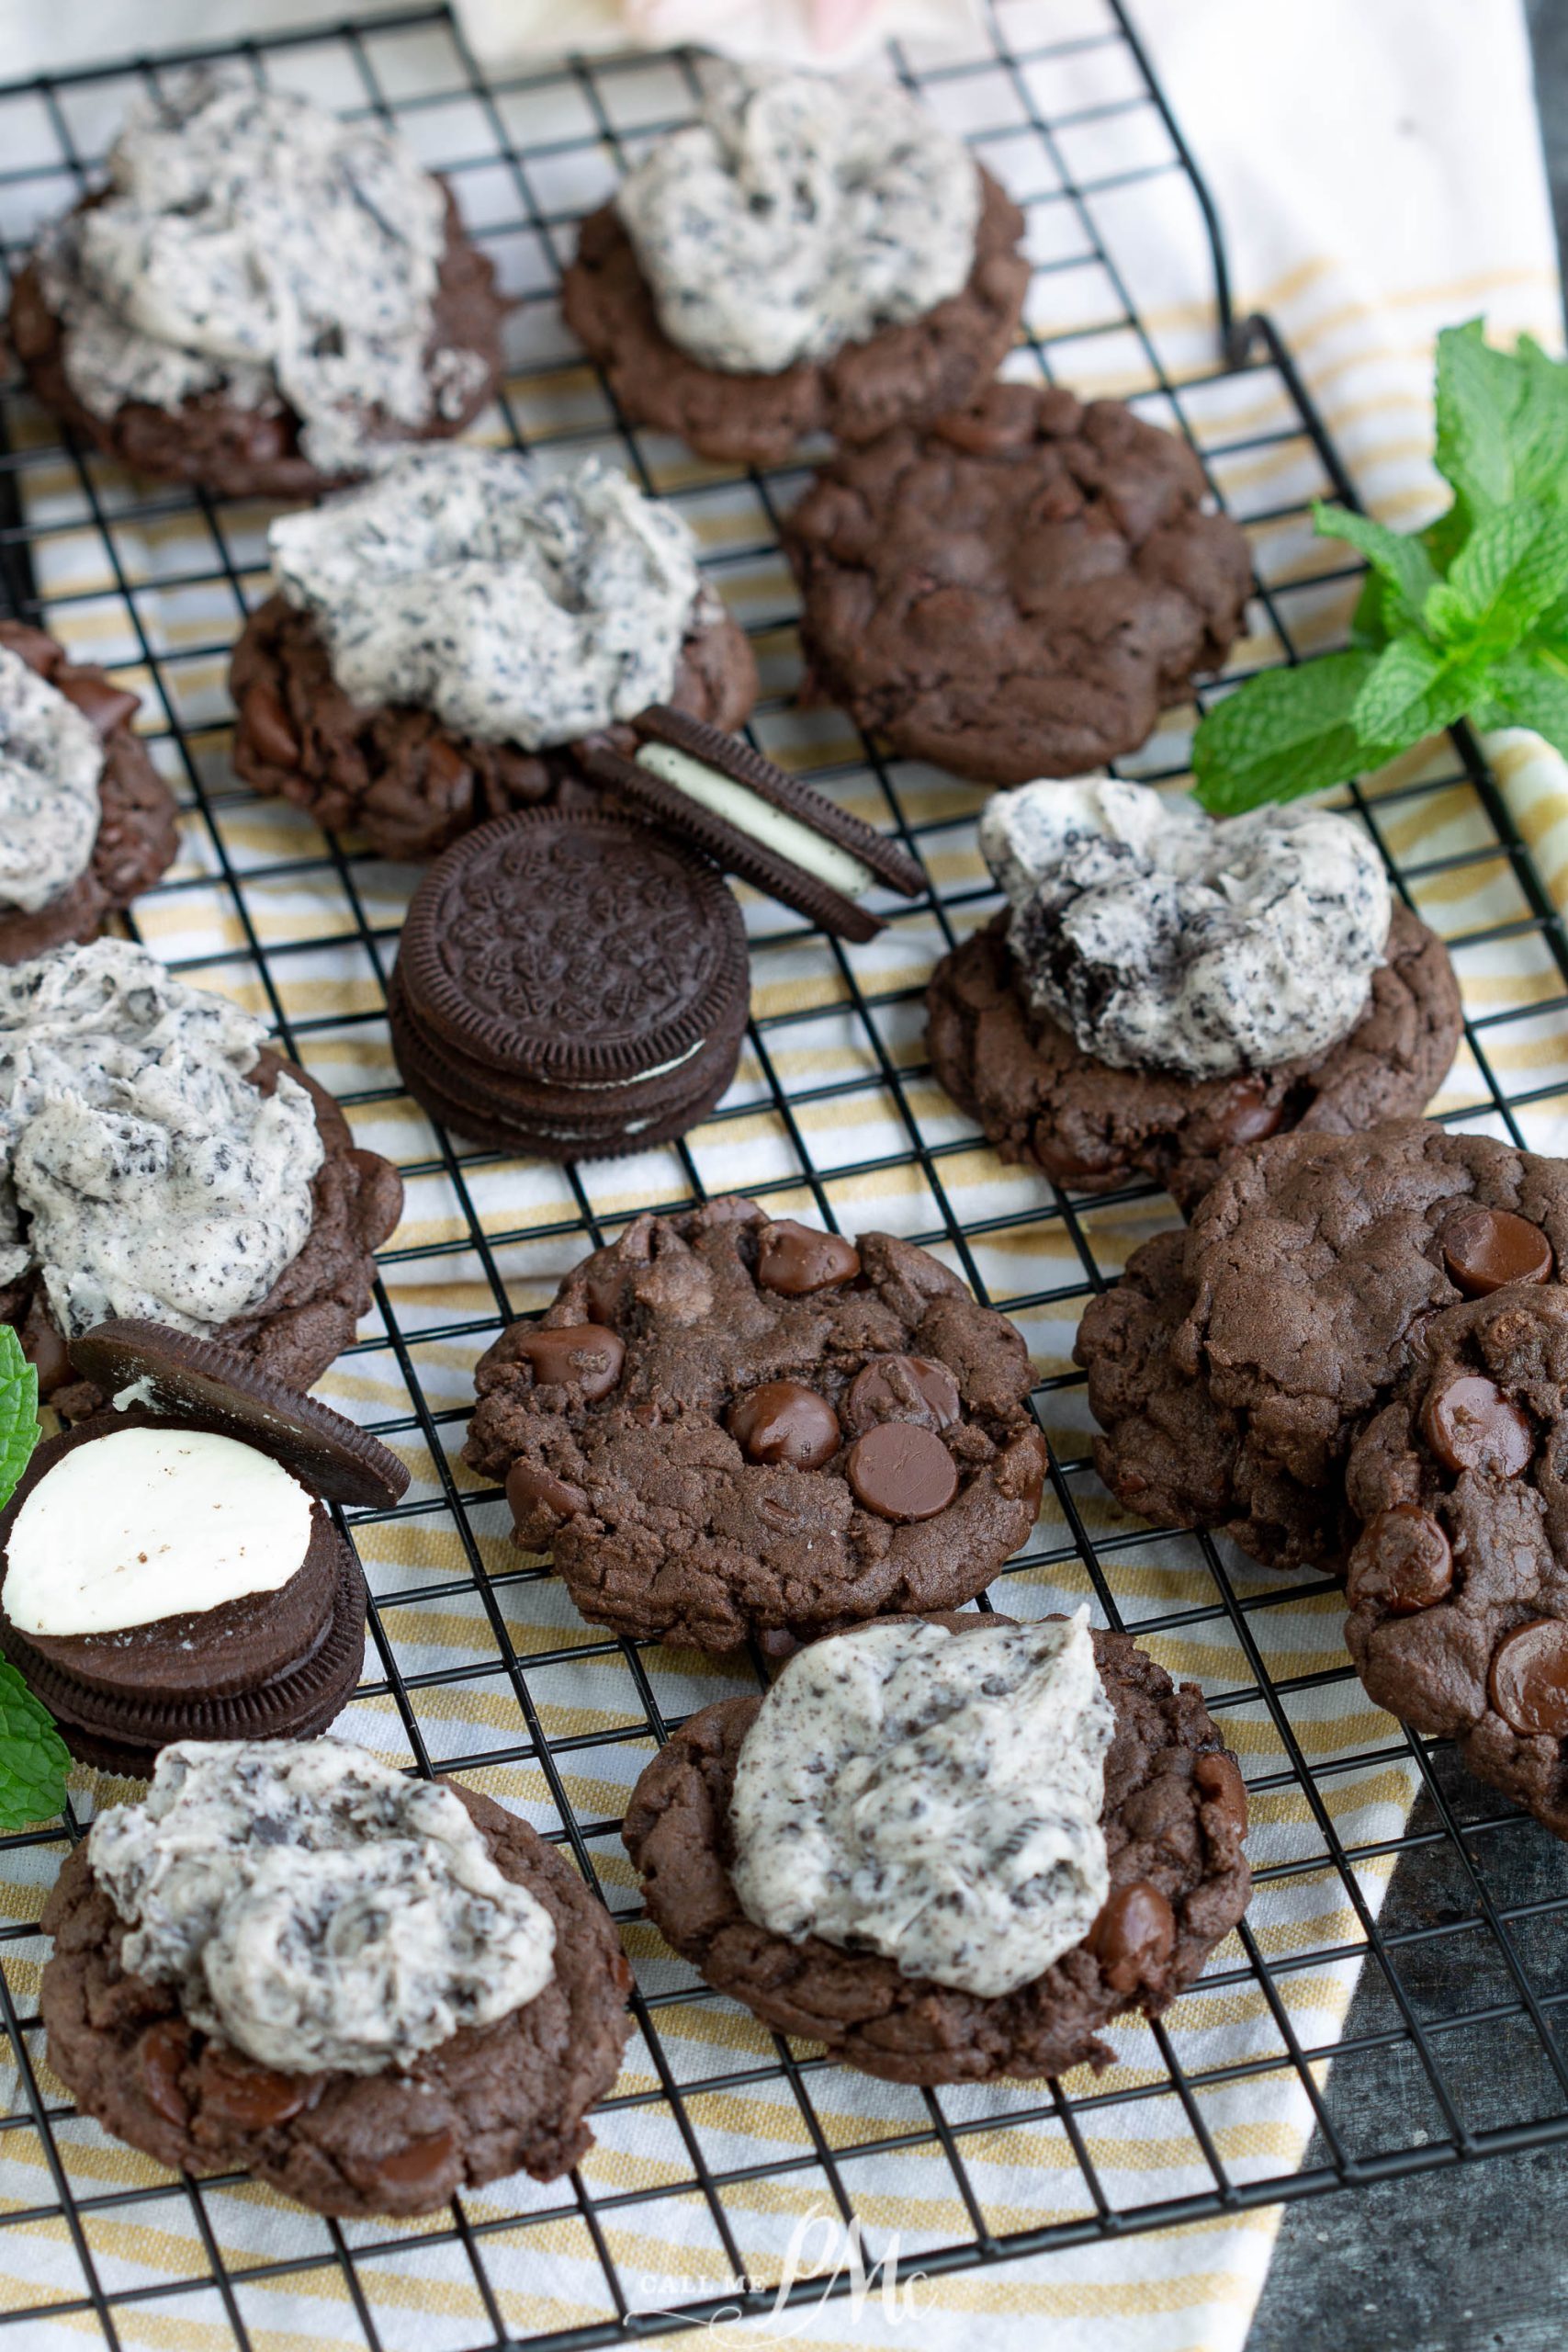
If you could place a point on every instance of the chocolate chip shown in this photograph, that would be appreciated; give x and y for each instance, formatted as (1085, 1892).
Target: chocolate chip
(1221, 1782)
(904, 1388)
(1245, 1115)
(1403, 1562)
(794, 1258)
(574, 1355)
(1134, 1938)
(267, 723)
(420, 2160)
(449, 772)
(528, 1485)
(163, 2057)
(1485, 1249)
(901, 1471)
(785, 1421)
(1063, 1165)
(105, 705)
(46, 1352)
(1528, 1681)
(253, 2099)
(1471, 1425)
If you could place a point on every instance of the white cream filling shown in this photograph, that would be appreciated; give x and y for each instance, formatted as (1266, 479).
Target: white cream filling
(758, 819)
(151, 1523)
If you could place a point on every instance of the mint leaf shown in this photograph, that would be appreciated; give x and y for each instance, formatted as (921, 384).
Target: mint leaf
(33, 1759)
(1413, 690)
(1286, 733)
(19, 1411)
(1403, 565)
(1502, 419)
(1529, 690)
(1509, 573)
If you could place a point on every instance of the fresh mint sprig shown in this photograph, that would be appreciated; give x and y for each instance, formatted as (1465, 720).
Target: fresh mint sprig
(33, 1759)
(1468, 618)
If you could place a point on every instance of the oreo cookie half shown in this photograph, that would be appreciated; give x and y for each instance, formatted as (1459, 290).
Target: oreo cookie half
(202, 1382)
(754, 819)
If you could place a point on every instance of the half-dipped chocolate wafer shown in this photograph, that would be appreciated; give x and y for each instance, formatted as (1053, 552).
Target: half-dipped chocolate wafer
(757, 821)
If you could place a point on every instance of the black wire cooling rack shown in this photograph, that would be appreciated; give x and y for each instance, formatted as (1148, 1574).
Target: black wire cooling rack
(721, 2137)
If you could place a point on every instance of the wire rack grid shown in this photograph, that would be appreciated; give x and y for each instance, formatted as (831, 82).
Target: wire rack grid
(721, 2139)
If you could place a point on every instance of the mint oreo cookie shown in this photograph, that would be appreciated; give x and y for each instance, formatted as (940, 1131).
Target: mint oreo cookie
(169, 1570)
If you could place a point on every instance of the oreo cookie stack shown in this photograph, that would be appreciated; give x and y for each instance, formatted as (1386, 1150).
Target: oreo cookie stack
(570, 983)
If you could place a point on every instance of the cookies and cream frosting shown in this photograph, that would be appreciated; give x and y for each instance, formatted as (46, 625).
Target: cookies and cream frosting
(50, 760)
(139, 1168)
(798, 215)
(316, 1908)
(250, 243)
(148, 1524)
(520, 605)
(931, 1796)
(1164, 939)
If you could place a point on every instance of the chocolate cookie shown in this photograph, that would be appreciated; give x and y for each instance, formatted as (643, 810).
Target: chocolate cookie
(900, 374)
(726, 1426)
(490, 2101)
(247, 452)
(1458, 1582)
(139, 834)
(311, 1312)
(1174, 1821)
(1039, 1097)
(1234, 1365)
(1018, 589)
(395, 774)
(570, 985)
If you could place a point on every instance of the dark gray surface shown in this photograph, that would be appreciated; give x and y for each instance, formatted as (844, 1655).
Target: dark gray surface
(1472, 2258)
(1548, 34)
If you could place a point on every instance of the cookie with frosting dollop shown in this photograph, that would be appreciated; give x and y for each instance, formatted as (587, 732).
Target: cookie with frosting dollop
(1162, 987)
(260, 298)
(811, 255)
(888, 1913)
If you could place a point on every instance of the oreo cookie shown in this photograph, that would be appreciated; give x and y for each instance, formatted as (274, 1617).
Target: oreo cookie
(570, 983)
(755, 821)
(170, 1571)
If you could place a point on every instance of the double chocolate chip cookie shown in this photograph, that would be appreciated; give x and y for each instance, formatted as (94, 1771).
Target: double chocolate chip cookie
(1174, 1819)
(1458, 1581)
(728, 1424)
(1018, 589)
(1234, 1365)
